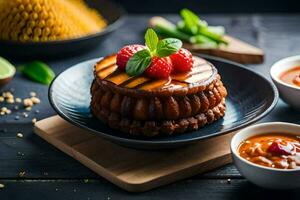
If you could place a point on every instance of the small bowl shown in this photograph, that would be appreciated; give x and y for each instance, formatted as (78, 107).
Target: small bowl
(289, 93)
(265, 176)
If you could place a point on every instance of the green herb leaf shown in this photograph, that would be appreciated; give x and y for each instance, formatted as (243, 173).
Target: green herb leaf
(191, 21)
(168, 46)
(151, 39)
(38, 71)
(138, 63)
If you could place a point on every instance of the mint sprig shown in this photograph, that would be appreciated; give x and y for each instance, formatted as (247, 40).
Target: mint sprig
(138, 63)
(151, 39)
(142, 59)
(168, 46)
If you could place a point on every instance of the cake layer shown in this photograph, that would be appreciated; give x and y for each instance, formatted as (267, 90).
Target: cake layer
(202, 75)
(157, 107)
(164, 127)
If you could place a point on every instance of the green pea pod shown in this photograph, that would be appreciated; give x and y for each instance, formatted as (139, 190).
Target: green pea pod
(38, 71)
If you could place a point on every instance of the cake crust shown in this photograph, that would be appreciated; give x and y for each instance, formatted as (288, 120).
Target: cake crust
(139, 106)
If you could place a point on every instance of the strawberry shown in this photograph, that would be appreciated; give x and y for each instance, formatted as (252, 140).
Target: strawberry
(277, 149)
(125, 54)
(159, 68)
(182, 60)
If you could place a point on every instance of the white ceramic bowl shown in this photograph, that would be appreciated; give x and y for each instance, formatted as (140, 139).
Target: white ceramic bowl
(289, 93)
(265, 176)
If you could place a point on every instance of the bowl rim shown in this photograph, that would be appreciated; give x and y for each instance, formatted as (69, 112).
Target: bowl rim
(133, 141)
(275, 65)
(234, 151)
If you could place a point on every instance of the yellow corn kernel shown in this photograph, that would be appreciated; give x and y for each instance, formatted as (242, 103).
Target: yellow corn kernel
(31, 23)
(21, 8)
(29, 8)
(41, 24)
(24, 38)
(46, 31)
(37, 32)
(36, 39)
(25, 15)
(37, 8)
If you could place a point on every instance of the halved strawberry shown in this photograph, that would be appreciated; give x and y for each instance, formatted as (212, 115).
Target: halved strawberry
(182, 60)
(159, 68)
(125, 54)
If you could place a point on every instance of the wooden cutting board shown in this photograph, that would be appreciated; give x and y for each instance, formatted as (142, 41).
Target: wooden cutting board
(132, 169)
(236, 50)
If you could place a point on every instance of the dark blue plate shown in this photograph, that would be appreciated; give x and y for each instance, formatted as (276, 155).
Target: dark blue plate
(250, 97)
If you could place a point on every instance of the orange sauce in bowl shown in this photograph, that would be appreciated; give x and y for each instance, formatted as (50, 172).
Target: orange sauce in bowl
(281, 151)
(291, 76)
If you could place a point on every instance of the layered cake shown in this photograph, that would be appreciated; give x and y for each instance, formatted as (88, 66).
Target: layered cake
(173, 94)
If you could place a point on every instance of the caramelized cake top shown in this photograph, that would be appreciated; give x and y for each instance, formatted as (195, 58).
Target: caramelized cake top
(203, 73)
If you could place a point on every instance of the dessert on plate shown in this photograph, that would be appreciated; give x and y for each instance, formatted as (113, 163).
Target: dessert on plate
(157, 89)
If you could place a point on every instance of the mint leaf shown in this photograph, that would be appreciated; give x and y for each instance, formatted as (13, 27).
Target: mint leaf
(151, 39)
(138, 63)
(38, 71)
(168, 46)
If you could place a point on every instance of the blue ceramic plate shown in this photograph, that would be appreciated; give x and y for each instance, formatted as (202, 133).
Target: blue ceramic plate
(250, 97)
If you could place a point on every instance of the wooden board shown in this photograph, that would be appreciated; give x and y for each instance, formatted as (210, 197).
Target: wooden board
(236, 50)
(132, 169)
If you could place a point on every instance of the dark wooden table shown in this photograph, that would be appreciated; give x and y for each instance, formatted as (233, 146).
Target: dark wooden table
(50, 174)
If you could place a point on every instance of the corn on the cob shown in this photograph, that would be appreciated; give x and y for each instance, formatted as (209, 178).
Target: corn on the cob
(47, 20)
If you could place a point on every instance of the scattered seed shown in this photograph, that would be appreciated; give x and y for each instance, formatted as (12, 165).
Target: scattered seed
(18, 100)
(10, 101)
(2, 186)
(28, 108)
(19, 135)
(16, 107)
(3, 109)
(35, 100)
(37, 111)
(22, 174)
(56, 189)
(34, 120)
(17, 117)
(45, 173)
(229, 181)
(25, 114)
(86, 180)
(27, 102)
(8, 95)
(33, 94)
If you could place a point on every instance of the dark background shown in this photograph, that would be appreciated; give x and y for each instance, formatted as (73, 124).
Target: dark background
(211, 6)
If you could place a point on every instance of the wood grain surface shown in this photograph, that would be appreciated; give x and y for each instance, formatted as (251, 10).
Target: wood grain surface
(51, 174)
(236, 50)
(132, 169)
